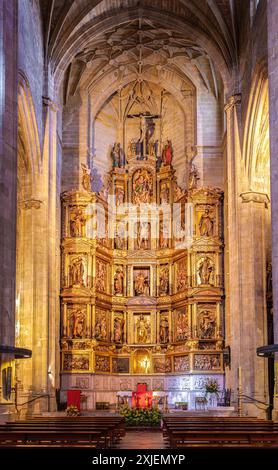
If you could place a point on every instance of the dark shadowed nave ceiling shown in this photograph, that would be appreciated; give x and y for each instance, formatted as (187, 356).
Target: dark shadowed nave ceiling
(86, 39)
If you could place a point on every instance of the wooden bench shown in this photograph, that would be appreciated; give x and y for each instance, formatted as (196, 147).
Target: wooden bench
(215, 431)
(101, 432)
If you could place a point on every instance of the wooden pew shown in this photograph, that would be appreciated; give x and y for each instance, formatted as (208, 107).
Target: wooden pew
(216, 431)
(63, 431)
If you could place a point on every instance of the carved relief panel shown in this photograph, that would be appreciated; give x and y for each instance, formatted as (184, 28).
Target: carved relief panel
(102, 325)
(101, 280)
(76, 322)
(181, 275)
(181, 325)
(163, 280)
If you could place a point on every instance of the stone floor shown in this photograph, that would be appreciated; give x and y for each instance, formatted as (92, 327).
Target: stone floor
(142, 440)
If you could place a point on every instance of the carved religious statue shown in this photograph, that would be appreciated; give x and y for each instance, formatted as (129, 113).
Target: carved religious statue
(119, 281)
(101, 272)
(118, 331)
(120, 196)
(143, 329)
(164, 235)
(164, 193)
(118, 156)
(182, 327)
(205, 270)
(76, 272)
(77, 323)
(181, 276)
(207, 324)
(164, 281)
(77, 223)
(86, 177)
(206, 224)
(164, 330)
(119, 238)
(142, 187)
(141, 284)
(101, 332)
(142, 241)
(193, 176)
(167, 154)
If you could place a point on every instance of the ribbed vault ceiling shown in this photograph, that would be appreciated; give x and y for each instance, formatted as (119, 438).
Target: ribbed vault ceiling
(92, 36)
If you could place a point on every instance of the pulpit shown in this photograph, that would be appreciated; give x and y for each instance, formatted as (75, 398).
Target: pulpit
(142, 398)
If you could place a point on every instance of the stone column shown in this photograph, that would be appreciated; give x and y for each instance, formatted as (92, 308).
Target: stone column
(254, 242)
(272, 20)
(231, 254)
(8, 167)
(51, 346)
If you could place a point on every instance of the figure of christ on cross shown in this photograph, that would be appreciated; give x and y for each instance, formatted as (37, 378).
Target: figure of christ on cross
(144, 146)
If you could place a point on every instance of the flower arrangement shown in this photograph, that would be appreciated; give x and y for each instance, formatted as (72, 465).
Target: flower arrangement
(141, 416)
(211, 386)
(72, 410)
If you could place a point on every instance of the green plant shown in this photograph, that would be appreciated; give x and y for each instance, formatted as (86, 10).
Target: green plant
(72, 410)
(212, 386)
(141, 416)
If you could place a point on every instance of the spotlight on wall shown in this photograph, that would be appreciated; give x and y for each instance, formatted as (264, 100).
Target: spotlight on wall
(267, 351)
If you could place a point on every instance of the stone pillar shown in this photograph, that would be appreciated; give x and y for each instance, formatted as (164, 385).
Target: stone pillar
(51, 346)
(272, 19)
(8, 176)
(231, 254)
(8, 167)
(254, 242)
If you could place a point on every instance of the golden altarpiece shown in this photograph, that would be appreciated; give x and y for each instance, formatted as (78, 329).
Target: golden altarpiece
(142, 280)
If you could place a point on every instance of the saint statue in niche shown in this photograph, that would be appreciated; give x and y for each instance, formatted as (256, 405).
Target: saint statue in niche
(207, 324)
(142, 186)
(77, 223)
(119, 239)
(205, 270)
(77, 323)
(141, 283)
(164, 281)
(118, 156)
(142, 241)
(143, 328)
(164, 330)
(118, 333)
(206, 224)
(119, 281)
(101, 332)
(101, 275)
(181, 276)
(76, 272)
(164, 235)
(164, 193)
(120, 196)
(182, 327)
(167, 154)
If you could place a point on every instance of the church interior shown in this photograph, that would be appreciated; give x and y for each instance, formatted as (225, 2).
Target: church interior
(139, 240)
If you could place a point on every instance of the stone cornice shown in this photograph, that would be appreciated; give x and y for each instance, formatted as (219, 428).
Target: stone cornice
(30, 204)
(254, 196)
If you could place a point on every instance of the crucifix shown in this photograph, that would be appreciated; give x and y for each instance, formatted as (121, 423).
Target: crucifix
(147, 127)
